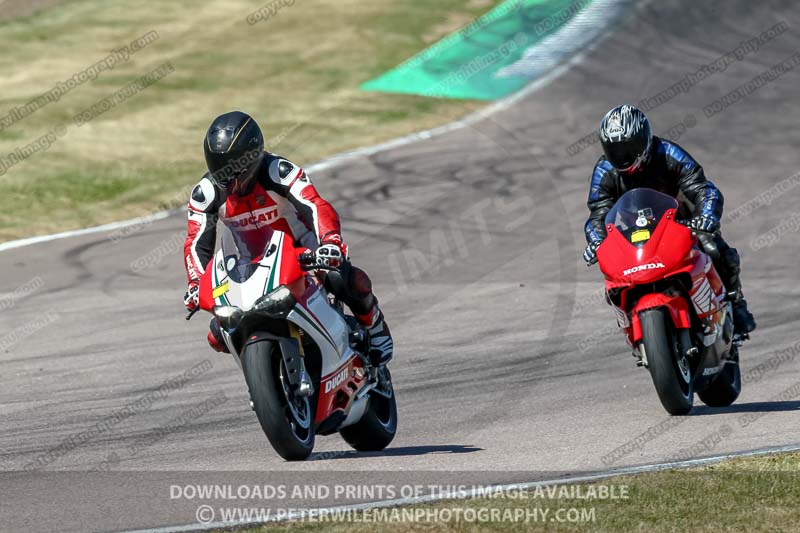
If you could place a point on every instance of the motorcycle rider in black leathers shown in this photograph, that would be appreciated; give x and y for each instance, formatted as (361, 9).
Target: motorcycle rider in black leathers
(634, 157)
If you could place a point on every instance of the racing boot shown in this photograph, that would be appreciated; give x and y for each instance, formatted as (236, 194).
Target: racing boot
(743, 321)
(729, 269)
(381, 345)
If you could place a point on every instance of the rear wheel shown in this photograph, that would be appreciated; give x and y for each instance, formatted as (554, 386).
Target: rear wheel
(669, 366)
(287, 419)
(724, 390)
(378, 425)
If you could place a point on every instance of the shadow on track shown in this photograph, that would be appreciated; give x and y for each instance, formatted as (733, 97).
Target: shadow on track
(751, 407)
(402, 451)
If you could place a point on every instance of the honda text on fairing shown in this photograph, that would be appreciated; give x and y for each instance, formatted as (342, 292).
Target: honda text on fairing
(306, 362)
(669, 300)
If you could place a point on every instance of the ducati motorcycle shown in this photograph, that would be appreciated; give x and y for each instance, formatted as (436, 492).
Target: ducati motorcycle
(670, 302)
(305, 361)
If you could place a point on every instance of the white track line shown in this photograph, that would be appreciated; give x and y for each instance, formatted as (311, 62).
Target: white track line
(567, 480)
(613, 9)
(86, 231)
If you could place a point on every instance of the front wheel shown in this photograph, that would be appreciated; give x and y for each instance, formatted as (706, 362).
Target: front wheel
(726, 387)
(378, 425)
(668, 366)
(287, 419)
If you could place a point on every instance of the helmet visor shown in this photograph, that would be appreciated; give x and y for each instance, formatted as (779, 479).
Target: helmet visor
(243, 182)
(625, 155)
(227, 169)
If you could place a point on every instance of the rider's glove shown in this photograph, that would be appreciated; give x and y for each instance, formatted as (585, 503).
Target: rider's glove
(590, 253)
(331, 252)
(704, 223)
(192, 297)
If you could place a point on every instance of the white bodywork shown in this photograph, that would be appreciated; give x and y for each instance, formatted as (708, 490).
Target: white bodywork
(317, 319)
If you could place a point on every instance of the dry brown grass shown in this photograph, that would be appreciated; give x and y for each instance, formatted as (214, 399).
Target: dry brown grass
(298, 73)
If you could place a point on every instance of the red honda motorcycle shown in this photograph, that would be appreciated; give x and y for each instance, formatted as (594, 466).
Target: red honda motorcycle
(669, 300)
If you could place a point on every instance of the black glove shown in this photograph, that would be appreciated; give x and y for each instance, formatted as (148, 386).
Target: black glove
(590, 253)
(704, 223)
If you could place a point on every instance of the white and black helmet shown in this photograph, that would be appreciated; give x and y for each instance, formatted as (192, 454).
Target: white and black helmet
(626, 138)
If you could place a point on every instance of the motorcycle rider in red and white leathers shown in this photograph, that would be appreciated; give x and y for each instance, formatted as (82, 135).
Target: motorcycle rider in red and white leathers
(250, 191)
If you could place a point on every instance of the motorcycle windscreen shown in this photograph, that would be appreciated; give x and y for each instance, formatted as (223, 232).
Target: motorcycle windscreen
(242, 251)
(637, 213)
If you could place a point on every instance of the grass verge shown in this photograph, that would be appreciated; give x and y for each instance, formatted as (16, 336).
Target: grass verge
(297, 70)
(747, 494)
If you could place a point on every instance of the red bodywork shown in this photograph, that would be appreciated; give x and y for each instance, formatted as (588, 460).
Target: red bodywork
(207, 302)
(291, 274)
(670, 251)
(338, 389)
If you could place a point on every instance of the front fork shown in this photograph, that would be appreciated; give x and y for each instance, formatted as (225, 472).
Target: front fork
(304, 387)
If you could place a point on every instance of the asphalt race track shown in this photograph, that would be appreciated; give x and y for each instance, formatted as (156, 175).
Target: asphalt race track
(508, 366)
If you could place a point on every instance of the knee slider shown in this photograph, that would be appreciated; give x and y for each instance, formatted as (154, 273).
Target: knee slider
(361, 284)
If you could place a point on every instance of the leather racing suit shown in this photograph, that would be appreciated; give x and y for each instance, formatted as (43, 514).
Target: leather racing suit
(282, 198)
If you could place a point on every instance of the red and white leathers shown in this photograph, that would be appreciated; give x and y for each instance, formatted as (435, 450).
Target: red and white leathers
(282, 198)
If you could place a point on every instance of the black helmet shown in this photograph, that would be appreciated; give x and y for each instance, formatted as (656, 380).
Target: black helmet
(626, 138)
(234, 147)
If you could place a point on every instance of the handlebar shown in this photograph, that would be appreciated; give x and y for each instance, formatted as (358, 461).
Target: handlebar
(307, 258)
(704, 238)
(708, 244)
(308, 263)
(308, 268)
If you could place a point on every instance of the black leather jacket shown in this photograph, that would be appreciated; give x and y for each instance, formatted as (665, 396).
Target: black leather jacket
(671, 170)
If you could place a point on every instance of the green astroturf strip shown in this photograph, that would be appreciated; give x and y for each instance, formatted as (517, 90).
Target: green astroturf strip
(466, 64)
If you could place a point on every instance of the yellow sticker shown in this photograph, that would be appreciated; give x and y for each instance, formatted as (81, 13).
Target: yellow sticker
(219, 291)
(640, 235)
